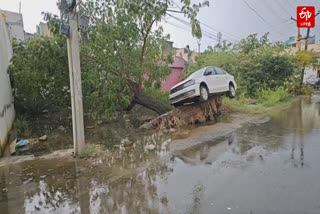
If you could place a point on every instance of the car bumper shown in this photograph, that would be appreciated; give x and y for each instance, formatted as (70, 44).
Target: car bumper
(184, 94)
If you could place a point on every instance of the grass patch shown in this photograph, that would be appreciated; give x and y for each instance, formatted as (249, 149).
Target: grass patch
(266, 100)
(91, 151)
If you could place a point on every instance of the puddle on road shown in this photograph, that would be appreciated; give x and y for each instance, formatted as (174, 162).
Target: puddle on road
(270, 166)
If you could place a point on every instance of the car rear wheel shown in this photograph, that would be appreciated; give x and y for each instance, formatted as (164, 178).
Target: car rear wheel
(204, 94)
(232, 91)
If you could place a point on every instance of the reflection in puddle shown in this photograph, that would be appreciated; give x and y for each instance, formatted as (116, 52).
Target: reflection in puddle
(264, 162)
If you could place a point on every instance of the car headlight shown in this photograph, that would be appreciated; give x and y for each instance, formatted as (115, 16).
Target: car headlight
(189, 83)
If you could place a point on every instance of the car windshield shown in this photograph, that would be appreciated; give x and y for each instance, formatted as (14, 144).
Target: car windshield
(197, 73)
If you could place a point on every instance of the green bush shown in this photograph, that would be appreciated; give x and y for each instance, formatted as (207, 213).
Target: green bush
(156, 93)
(265, 100)
(254, 63)
(22, 127)
(292, 86)
(268, 97)
(39, 75)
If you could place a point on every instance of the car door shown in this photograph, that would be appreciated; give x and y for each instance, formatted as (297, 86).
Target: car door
(211, 79)
(221, 80)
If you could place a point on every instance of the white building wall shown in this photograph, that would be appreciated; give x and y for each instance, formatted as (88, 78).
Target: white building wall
(6, 100)
(312, 73)
(15, 24)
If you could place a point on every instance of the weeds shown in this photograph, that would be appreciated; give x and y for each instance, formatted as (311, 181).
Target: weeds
(22, 126)
(265, 100)
(269, 98)
(91, 151)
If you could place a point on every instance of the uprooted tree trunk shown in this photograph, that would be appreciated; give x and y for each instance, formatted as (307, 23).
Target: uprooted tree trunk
(149, 103)
(188, 115)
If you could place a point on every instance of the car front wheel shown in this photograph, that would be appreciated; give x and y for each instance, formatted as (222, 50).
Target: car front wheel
(232, 92)
(204, 94)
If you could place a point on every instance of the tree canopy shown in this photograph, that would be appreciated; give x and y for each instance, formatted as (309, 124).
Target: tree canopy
(124, 57)
(255, 62)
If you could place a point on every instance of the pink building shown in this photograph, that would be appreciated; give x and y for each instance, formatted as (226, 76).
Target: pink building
(176, 76)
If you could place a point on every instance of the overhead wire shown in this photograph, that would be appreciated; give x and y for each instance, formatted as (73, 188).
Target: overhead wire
(189, 30)
(283, 8)
(232, 37)
(205, 31)
(261, 17)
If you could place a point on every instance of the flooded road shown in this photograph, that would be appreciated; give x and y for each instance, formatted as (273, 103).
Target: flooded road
(271, 165)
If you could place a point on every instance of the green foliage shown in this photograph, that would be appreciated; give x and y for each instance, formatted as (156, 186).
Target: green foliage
(22, 127)
(268, 97)
(252, 43)
(143, 13)
(158, 94)
(39, 74)
(126, 50)
(265, 101)
(254, 62)
(293, 86)
(306, 90)
(308, 58)
(112, 69)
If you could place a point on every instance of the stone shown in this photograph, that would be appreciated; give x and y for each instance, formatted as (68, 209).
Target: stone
(43, 138)
(149, 147)
(12, 147)
(61, 128)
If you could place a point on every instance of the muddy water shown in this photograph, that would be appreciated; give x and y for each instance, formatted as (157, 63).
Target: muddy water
(270, 165)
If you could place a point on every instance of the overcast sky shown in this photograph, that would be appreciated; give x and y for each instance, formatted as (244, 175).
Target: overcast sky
(235, 19)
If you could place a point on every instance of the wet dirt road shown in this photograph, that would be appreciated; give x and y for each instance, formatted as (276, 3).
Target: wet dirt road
(271, 165)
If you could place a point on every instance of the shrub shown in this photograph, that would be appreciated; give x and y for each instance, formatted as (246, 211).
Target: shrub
(270, 98)
(156, 93)
(293, 86)
(22, 126)
(254, 63)
(39, 75)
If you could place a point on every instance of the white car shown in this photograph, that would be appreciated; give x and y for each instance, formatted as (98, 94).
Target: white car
(201, 84)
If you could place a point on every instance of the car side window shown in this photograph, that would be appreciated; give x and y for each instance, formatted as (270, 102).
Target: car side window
(209, 71)
(219, 71)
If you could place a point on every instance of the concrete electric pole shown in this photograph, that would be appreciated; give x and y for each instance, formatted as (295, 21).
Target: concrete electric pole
(72, 34)
(75, 84)
(199, 45)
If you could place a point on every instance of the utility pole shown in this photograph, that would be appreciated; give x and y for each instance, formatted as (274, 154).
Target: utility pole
(305, 47)
(199, 45)
(219, 38)
(75, 83)
(308, 32)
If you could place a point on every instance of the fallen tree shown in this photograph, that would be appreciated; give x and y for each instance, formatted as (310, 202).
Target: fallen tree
(188, 115)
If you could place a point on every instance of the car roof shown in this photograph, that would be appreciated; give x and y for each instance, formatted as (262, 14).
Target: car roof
(198, 72)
